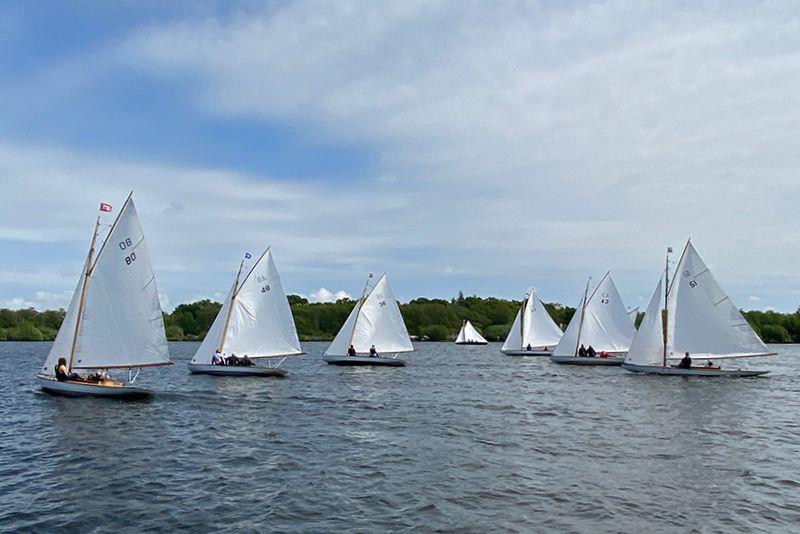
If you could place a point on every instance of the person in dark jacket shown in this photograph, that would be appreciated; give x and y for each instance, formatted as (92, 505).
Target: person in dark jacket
(373, 352)
(582, 351)
(590, 352)
(62, 374)
(686, 362)
(351, 351)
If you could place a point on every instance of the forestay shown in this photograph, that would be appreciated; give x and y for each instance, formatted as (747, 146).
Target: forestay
(375, 320)
(258, 317)
(122, 324)
(647, 347)
(602, 323)
(468, 334)
(702, 319)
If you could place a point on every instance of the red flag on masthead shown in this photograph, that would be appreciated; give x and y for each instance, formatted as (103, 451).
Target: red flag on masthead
(105, 207)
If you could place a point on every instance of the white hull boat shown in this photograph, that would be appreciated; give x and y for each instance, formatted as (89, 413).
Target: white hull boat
(235, 370)
(468, 335)
(578, 360)
(71, 388)
(692, 371)
(364, 360)
(539, 351)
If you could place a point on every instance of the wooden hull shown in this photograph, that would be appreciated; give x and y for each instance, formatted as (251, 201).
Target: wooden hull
(694, 371)
(84, 389)
(235, 370)
(364, 360)
(577, 360)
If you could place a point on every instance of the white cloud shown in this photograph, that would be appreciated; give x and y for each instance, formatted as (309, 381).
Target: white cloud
(753, 298)
(326, 295)
(40, 300)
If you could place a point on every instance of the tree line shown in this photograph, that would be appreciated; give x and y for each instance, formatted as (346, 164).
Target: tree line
(426, 319)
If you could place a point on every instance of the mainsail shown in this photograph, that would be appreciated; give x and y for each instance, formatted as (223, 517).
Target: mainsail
(468, 334)
(702, 319)
(601, 321)
(255, 318)
(114, 318)
(532, 326)
(375, 320)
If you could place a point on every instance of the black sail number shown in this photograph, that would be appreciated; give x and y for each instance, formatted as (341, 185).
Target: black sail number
(130, 258)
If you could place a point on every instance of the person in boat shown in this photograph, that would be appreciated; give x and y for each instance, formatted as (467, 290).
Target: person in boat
(603, 354)
(246, 361)
(62, 374)
(709, 363)
(351, 351)
(590, 352)
(373, 352)
(232, 360)
(582, 351)
(217, 358)
(529, 348)
(98, 377)
(686, 362)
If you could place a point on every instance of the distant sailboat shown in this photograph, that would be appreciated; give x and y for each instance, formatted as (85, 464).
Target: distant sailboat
(534, 333)
(374, 322)
(600, 322)
(469, 336)
(255, 320)
(700, 320)
(114, 320)
(633, 314)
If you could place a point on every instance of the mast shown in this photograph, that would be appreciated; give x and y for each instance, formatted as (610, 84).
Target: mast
(522, 323)
(86, 273)
(360, 304)
(666, 310)
(230, 307)
(583, 311)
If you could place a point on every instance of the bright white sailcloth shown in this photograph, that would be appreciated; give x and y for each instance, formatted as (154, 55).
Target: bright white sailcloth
(532, 326)
(375, 320)
(255, 318)
(600, 321)
(468, 334)
(647, 347)
(114, 319)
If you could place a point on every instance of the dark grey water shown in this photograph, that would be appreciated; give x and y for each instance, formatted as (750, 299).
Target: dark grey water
(462, 439)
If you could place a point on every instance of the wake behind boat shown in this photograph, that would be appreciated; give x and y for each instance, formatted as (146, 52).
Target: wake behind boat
(254, 322)
(533, 333)
(468, 335)
(114, 319)
(374, 327)
(600, 323)
(702, 325)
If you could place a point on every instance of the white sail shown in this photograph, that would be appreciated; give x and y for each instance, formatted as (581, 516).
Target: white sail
(341, 343)
(633, 314)
(375, 320)
(122, 323)
(605, 324)
(213, 337)
(702, 319)
(260, 323)
(514, 337)
(647, 347)
(540, 329)
(468, 334)
(62, 346)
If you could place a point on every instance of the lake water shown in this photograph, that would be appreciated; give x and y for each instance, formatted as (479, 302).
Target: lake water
(463, 439)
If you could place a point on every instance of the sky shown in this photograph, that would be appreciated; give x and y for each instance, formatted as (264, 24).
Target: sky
(483, 147)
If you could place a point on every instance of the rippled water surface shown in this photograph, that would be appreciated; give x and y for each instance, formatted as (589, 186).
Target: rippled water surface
(462, 439)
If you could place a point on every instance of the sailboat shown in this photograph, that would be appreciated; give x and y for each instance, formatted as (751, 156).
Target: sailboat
(700, 320)
(468, 335)
(633, 314)
(255, 320)
(533, 333)
(600, 321)
(114, 319)
(374, 322)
